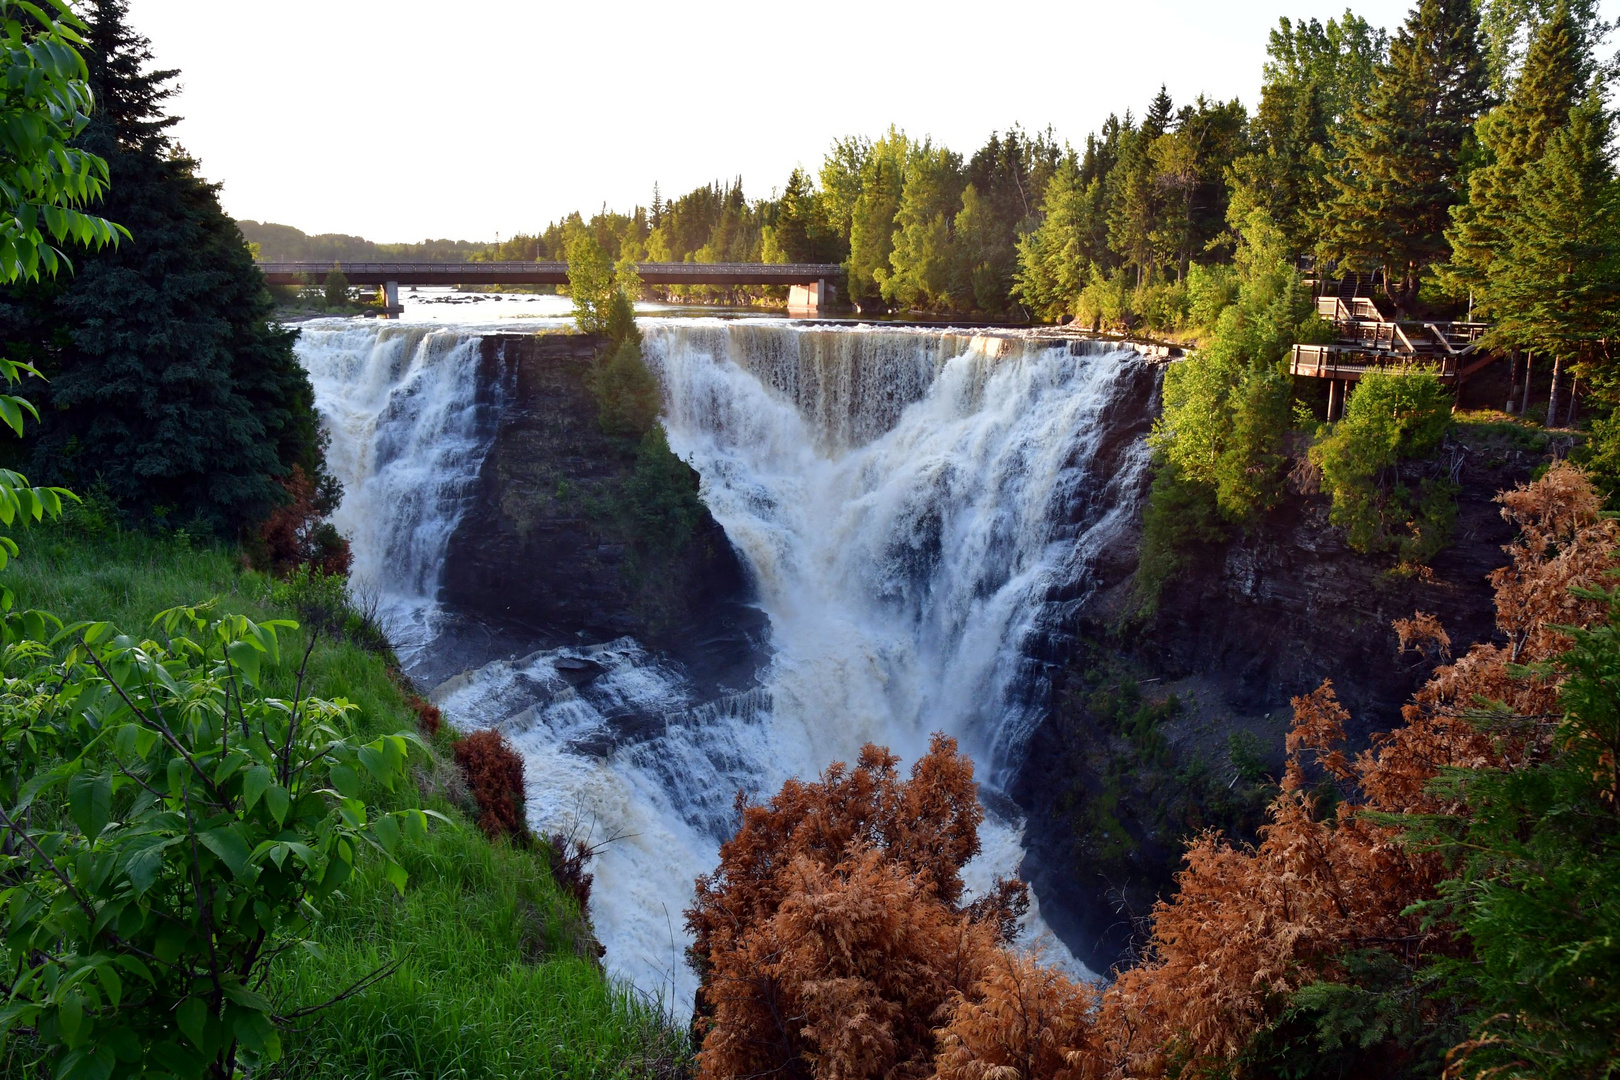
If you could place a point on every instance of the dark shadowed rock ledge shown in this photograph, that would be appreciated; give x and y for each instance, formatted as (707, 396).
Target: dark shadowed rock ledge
(534, 556)
(1244, 627)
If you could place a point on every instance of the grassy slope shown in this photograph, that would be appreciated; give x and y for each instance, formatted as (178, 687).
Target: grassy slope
(495, 980)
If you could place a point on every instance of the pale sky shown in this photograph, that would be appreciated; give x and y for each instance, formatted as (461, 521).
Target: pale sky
(400, 120)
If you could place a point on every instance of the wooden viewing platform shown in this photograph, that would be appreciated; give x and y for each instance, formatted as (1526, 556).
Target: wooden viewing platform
(1364, 339)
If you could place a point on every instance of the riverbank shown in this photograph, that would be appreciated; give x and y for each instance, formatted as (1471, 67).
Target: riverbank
(497, 970)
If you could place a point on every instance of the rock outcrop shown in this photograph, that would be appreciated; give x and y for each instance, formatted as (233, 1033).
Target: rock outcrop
(538, 554)
(1137, 751)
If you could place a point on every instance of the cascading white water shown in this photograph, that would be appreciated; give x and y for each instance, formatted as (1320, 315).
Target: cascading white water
(905, 499)
(909, 501)
(401, 405)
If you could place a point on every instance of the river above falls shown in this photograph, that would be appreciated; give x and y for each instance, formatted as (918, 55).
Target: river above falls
(917, 507)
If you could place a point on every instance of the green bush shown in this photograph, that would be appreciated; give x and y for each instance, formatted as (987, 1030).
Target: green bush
(628, 397)
(658, 503)
(171, 828)
(493, 971)
(336, 289)
(1391, 417)
(1162, 304)
(1210, 291)
(1179, 513)
(1105, 302)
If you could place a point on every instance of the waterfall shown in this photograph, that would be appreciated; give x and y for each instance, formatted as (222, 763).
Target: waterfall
(907, 499)
(409, 429)
(918, 508)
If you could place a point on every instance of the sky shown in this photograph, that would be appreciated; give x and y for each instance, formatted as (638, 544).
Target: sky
(408, 120)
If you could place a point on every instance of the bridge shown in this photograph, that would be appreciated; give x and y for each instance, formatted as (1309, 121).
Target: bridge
(810, 290)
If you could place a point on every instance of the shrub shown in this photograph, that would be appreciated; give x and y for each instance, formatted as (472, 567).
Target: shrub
(169, 831)
(831, 936)
(1392, 417)
(1162, 304)
(1210, 291)
(1105, 302)
(335, 290)
(628, 397)
(494, 771)
(658, 502)
(297, 532)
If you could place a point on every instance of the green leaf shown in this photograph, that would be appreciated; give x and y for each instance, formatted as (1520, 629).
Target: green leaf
(135, 966)
(247, 998)
(70, 1017)
(245, 657)
(396, 876)
(257, 1032)
(344, 781)
(143, 866)
(387, 833)
(228, 844)
(88, 1063)
(90, 798)
(111, 983)
(255, 782)
(377, 765)
(192, 1017)
(277, 800)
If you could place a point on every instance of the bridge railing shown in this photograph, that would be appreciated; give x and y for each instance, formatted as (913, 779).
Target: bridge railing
(806, 271)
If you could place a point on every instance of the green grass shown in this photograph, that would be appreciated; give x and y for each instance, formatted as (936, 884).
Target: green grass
(496, 972)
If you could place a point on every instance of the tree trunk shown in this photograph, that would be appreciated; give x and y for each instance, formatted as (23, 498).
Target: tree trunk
(1513, 380)
(1574, 389)
(1529, 366)
(1552, 394)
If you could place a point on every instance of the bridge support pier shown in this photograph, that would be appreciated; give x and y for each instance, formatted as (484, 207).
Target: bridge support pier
(809, 301)
(389, 295)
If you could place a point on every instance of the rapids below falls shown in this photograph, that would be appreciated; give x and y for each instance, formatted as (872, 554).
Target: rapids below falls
(916, 507)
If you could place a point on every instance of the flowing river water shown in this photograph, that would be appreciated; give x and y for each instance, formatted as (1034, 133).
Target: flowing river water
(916, 507)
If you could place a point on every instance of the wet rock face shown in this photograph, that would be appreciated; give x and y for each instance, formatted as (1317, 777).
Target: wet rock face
(1243, 628)
(535, 553)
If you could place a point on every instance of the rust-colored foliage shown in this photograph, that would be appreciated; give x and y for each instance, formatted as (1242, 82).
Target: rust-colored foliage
(297, 533)
(568, 858)
(495, 774)
(1249, 926)
(1022, 1021)
(428, 716)
(830, 939)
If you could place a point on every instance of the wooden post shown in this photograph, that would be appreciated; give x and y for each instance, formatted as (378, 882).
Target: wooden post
(1529, 365)
(1333, 392)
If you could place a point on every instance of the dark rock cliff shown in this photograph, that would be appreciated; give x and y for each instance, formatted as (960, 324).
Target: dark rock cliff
(537, 555)
(1159, 731)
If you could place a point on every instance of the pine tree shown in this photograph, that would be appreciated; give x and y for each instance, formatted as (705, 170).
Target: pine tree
(1513, 135)
(1405, 152)
(921, 259)
(1555, 285)
(871, 231)
(168, 382)
(1314, 74)
(1052, 261)
(1134, 205)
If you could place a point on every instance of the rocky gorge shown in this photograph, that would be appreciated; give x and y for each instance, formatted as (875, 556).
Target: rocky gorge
(904, 531)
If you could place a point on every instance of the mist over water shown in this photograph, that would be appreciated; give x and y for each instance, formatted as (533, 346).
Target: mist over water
(911, 503)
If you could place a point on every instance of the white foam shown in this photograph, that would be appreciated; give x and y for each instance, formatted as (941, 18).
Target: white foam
(905, 499)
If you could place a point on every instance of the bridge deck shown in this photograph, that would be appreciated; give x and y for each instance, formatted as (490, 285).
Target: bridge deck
(548, 273)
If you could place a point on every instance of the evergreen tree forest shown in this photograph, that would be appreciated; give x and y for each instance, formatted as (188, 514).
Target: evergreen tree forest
(210, 441)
